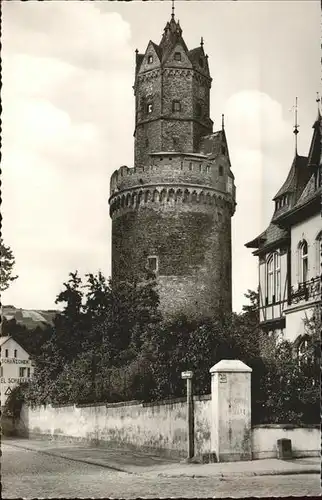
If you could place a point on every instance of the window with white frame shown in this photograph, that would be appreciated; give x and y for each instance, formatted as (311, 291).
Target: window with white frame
(305, 353)
(277, 270)
(270, 279)
(319, 254)
(273, 278)
(303, 261)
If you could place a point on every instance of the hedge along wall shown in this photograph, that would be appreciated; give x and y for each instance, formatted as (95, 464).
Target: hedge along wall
(306, 440)
(160, 427)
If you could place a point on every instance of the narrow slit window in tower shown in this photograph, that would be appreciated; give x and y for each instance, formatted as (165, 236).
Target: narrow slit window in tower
(176, 106)
(221, 170)
(153, 263)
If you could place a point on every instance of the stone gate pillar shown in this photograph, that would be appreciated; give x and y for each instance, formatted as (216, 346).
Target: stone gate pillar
(231, 411)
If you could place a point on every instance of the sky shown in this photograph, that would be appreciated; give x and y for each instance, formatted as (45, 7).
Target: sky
(68, 121)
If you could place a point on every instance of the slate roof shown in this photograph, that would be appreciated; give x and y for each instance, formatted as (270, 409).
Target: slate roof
(309, 193)
(297, 177)
(4, 339)
(315, 148)
(172, 36)
(271, 235)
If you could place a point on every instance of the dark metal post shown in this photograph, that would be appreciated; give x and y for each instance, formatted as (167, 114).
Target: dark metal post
(190, 414)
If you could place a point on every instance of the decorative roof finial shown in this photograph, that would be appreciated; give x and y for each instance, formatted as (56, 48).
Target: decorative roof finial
(223, 122)
(318, 100)
(201, 41)
(296, 125)
(172, 15)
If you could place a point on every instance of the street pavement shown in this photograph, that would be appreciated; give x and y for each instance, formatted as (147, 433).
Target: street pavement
(38, 473)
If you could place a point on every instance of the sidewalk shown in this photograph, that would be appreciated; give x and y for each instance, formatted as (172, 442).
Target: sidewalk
(135, 462)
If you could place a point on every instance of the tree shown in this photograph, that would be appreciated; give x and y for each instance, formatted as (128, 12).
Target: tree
(97, 335)
(7, 262)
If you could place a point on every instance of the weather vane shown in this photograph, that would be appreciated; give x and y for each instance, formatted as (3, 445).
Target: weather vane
(296, 125)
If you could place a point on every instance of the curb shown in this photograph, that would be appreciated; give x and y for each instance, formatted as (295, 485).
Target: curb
(99, 463)
(243, 474)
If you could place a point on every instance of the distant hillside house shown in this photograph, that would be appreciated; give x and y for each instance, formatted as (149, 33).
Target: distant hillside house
(16, 366)
(28, 317)
(289, 251)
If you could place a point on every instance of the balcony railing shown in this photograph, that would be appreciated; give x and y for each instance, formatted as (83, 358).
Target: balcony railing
(308, 290)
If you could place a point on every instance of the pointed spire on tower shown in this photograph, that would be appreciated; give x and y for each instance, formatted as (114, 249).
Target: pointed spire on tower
(296, 125)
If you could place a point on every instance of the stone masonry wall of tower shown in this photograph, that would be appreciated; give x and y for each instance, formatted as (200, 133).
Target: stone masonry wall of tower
(172, 212)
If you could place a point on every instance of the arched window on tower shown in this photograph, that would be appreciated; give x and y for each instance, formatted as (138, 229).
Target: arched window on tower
(177, 56)
(303, 261)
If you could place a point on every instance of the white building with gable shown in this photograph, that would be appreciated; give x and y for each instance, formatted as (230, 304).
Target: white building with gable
(16, 366)
(289, 251)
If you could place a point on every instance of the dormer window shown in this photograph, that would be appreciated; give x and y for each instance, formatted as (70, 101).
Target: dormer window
(176, 106)
(150, 59)
(149, 107)
(177, 56)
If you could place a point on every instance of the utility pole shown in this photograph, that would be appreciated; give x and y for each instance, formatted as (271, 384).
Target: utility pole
(190, 414)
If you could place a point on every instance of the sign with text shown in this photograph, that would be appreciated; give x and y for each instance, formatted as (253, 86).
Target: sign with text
(12, 380)
(16, 361)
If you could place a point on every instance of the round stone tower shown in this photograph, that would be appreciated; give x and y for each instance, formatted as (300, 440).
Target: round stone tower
(172, 212)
